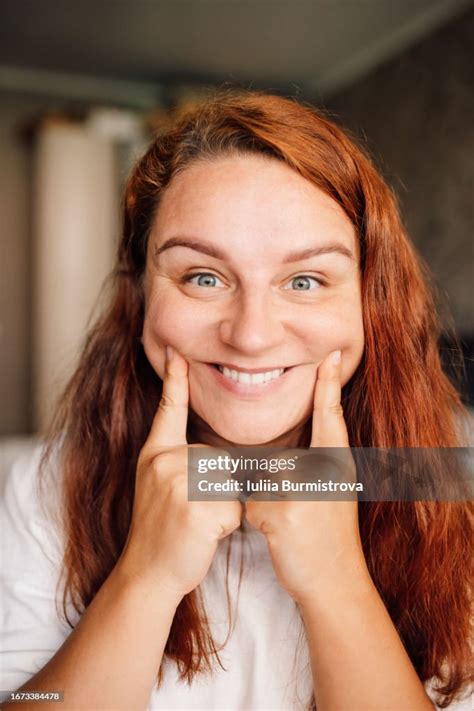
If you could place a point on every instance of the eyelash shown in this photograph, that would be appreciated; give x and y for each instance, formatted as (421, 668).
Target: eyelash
(188, 277)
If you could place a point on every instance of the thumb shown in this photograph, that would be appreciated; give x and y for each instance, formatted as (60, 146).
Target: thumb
(169, 424)
(328, 425)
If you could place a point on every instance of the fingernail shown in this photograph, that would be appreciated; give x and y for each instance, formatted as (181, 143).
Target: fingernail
(336, 357)
(169, 353)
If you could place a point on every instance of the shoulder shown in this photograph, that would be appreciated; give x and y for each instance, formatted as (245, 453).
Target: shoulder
(29, 505)
(31, 553)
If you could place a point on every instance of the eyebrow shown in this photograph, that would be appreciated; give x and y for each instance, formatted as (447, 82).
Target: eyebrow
(212, 251)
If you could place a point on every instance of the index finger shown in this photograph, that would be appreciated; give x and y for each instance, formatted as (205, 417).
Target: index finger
(169, 424)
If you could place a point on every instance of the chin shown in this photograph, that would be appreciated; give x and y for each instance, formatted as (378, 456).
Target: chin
(248, 434)
(248, 439)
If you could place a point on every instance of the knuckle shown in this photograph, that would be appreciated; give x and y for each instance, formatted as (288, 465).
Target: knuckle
(167, 403)
(169, 461)
(229, 513)
(162, 462)
(229, 525)
(331, 409)
(179, 485)
(289, 514)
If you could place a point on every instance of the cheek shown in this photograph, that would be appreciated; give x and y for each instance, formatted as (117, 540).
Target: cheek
(167, 323)
(341, 329)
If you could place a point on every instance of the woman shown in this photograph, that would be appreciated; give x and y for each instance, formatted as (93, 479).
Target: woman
(257, 240)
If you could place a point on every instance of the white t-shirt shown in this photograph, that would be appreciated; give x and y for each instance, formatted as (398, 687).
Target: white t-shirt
(266, 659)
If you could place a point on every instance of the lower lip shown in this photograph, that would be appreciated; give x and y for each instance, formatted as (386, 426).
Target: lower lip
(248, 390)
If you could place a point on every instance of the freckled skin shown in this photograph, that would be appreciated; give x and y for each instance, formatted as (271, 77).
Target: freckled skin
(258, 210)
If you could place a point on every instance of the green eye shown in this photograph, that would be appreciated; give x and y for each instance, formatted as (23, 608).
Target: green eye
(303, 283)
(203, 279)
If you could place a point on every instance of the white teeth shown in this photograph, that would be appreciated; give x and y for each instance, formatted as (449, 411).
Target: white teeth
(251, 378)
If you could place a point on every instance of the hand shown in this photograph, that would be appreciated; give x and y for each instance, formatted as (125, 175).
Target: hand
(315, 544)
(172, 541)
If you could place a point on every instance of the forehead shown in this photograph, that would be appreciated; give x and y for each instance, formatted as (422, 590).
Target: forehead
(250, 203)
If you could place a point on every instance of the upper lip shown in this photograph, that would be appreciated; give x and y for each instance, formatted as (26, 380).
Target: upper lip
(263, 369)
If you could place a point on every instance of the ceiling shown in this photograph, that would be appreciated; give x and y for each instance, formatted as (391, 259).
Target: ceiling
(141, 48)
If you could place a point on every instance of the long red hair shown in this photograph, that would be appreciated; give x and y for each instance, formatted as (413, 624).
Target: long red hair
(418, 553)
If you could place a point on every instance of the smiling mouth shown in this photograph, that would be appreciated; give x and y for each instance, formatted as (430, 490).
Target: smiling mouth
(250, 378)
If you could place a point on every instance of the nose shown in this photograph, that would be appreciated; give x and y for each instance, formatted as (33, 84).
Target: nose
(252, 326)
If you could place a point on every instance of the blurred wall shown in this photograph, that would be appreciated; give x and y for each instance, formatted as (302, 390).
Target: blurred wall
(415, 114)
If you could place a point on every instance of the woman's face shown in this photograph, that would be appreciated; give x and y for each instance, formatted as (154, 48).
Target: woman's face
(252, 268)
